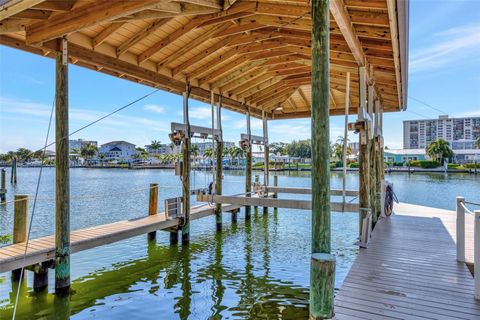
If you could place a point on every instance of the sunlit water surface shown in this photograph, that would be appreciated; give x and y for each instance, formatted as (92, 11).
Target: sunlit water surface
(252, 270)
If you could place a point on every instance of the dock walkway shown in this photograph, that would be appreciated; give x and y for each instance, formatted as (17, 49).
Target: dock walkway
(409, 270)
(43, 249)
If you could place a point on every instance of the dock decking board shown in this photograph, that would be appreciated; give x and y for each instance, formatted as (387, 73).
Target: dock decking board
(409, 270)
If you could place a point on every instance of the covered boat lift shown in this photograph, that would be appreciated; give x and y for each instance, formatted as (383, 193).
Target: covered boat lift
(267, 59)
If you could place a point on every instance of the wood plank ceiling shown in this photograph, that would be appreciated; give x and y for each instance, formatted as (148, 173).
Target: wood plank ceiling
(257, 54)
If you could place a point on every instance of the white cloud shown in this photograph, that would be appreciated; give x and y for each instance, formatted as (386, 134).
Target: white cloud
(154, 108)
(468, 114)
(453, 45)
(78, 116)
(200, 113)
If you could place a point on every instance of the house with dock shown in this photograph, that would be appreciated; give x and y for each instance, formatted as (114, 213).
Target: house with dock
(117, 151)
(271, 60)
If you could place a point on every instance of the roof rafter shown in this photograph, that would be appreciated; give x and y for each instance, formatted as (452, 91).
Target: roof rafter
(83, 17)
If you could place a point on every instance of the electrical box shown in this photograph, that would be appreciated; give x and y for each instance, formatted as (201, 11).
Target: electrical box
(178, 168)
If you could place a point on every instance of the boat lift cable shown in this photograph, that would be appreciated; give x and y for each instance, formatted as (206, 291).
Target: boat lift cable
(22, 270)
(427, 105)
(46, 145)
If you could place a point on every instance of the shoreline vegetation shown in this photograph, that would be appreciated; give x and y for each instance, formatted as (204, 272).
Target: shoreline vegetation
(412, 167)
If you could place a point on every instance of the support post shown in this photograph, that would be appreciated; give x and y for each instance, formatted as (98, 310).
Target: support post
(460, 230)
(3, 187)
(13, 172)
(371, 153)
(266, 156)
(476, 254)
(219, 162)
(20, 218)
(186, 170)
(40, 277)
(173, 237)
(62, 174)
(248, 166)
(257, 181)
(275, 195)
(345, 139)
(153, 206)
(322, 274)
(378, 162)
(234, 215)
(364, 181)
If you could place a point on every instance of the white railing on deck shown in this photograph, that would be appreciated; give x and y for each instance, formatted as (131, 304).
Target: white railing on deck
(461, 210)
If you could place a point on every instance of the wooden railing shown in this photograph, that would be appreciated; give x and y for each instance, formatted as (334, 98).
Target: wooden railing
(461, 210)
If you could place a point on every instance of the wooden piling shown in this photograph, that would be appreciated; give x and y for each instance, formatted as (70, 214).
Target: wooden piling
(322, 262)
(13, 172)
(173, 237)
(248, 167)
(322, 282)
(371, 153)
(20, 218)
(186, 170)
(62, 195)
(257, 181)
(378, 162)
(40, 277)
(153, 206)
(234, 216)
(219, 166)
(3, 186)
(364, 161)
(266, 156)
(275, 195)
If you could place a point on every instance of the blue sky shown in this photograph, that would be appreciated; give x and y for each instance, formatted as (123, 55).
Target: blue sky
(444, 73)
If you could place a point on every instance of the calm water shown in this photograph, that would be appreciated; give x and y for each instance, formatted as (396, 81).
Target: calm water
(252, 270)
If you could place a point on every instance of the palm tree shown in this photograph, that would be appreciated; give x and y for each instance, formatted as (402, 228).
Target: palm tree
(477, 143)
(75, 151)
(23, 154)
(88, 151)
(101, 157)
(439, 150)
(236, 153)
(155, 145)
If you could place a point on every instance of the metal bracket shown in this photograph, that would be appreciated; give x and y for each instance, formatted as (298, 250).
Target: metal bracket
(254, 139)
(64, 51)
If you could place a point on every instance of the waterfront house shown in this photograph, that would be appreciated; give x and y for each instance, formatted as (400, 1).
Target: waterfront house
(118, 151)
(403, 155)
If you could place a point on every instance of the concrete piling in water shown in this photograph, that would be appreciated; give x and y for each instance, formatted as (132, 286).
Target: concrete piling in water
(257, 181)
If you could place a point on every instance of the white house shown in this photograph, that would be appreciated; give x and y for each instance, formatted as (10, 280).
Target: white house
(119, 151)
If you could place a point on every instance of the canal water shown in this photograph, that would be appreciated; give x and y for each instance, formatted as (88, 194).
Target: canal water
(252, 270)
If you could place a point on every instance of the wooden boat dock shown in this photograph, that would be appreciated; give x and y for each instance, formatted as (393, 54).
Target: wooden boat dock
(410, 271)
(43, 249)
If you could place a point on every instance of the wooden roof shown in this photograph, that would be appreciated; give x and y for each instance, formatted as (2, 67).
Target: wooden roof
(256, 53)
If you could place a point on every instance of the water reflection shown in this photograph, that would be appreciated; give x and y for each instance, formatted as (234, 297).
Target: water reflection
(228, 284)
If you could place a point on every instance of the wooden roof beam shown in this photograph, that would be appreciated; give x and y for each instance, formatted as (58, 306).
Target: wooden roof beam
(191, 45)
(55, 5)
(202, 55)
(151, 28)
(194, 23)
(108, 31)
(304, 98)
(337, 9)
(392, 17)
(83, 17)
(10, 8)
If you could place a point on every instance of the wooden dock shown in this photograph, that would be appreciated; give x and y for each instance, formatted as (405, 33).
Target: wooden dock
(409, 270)
(43, 249)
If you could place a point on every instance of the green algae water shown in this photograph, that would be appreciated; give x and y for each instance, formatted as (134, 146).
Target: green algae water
(257, 269)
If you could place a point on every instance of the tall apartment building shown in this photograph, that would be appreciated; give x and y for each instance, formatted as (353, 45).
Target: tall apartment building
(460, 133)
